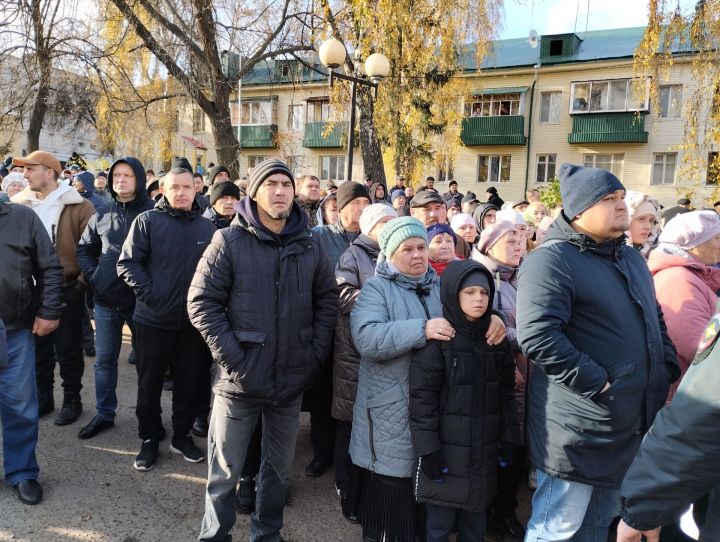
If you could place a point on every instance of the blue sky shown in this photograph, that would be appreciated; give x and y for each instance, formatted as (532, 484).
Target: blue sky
(558, 16)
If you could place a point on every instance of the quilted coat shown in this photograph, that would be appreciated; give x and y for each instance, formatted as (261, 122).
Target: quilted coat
(388, 324)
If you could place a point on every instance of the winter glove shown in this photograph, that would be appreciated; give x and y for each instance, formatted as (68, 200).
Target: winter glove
(507, 454)
(433, 465)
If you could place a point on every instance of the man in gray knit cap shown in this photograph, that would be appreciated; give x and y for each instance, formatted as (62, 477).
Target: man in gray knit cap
(265, 300)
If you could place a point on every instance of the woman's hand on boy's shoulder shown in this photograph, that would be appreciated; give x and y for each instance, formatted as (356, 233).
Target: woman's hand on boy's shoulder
(439, 329)
(496, 331)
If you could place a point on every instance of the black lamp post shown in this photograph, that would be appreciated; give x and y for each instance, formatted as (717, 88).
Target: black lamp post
(377, 66)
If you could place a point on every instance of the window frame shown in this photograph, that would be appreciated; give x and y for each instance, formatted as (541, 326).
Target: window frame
(672, 99)
(558, 107)
(339, 167)
(292, 118)
(546, 166)
(613, 161)
(491, 104)
(255, 107)
(574, 85)
(501, 166)
(198, 120)
(254, 158)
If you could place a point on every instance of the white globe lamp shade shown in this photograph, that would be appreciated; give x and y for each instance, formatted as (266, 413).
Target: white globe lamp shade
(332, 53)
(377, 66)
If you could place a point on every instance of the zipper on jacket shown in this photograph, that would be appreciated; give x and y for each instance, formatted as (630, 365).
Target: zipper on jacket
(372, 442)
(452, 371)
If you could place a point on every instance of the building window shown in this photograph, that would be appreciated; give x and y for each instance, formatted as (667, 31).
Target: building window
(255, 160)
(285, 70)
(663, 170)
(295, 118)
(446, 170)
(610, 162)
(545, 167)
(713, 169)
(318, 111)
(332, 168)
(198, 120)
(670, 97)
(257, 113)
(615, 95)
(295, 164)
(493, 105)
(550, 107)
(494, 169)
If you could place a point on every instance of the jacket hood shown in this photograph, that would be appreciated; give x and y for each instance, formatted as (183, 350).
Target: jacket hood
(450, 283)
(368, 244)
(660, 260)
(561, 230)
(140, 179)
(247, 217)
(66, 194)
(319, 212)
(374, 187)
(480, 212)
(88, 180)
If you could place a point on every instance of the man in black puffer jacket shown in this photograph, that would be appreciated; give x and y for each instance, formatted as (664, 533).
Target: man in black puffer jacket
(158, 261)
(97, 255)
(264, 298)
(463, 415)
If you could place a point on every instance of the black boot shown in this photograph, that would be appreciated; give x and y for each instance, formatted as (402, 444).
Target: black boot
(245, 496)
(70, 411)
(46, 404)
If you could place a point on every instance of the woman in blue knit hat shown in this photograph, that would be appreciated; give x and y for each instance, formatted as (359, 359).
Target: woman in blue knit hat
(397, 312)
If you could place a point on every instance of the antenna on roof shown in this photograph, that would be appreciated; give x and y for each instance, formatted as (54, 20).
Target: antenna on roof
(533, 38)
(587, 16)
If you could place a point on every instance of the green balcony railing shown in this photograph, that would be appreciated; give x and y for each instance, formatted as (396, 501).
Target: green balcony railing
(499, 130)
(608, 128)
(258, 136)
(336, 138)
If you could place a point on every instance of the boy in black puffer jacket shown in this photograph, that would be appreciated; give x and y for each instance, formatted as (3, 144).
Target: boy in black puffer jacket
(462, 413)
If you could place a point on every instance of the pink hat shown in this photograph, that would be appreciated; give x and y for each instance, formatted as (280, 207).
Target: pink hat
(492, 235)
(461, 219)
(692, 229)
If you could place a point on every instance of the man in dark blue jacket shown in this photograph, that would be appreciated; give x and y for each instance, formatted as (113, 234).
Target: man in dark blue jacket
(264, 298)
(97, 254)
(588, 319)
(158, 261)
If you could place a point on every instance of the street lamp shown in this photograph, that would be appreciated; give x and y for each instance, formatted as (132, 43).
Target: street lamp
(332, 54)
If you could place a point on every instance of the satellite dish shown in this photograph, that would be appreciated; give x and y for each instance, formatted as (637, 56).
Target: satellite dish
(533, 38)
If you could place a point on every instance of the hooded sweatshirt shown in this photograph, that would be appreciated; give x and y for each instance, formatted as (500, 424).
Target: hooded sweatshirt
(87, 180)
(479, 215)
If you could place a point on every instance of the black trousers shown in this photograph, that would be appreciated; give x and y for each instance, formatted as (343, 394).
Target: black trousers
(322, 424)
(182, 351)
(508, 485)
(64, 345)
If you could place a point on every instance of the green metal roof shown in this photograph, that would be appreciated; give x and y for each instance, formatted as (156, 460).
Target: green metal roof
(595, 45)
(504, 90)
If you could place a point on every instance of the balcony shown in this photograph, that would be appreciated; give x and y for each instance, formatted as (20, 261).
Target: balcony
(337, 138)
(498, 130)
(608, 128)
(258, 136)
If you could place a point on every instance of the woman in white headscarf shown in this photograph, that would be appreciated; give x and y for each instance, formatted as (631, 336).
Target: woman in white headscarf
(643, 213)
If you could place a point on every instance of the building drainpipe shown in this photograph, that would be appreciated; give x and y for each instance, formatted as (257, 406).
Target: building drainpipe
(530, 123)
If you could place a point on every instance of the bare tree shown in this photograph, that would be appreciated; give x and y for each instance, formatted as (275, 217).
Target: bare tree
(188, 38)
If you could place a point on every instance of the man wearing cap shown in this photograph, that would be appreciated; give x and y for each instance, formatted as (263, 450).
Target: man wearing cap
(399, 183)
(264, 298)
(588, 318)
(97, 254)
(453, 193)
(683, 206)
(469, 203)
(430, 209)
(218, 174)
(429, 185)
(223, 197)
(30, 291)
(64, 213)
(157, 261)
(100, 184)
(308, 197)
(352, 198)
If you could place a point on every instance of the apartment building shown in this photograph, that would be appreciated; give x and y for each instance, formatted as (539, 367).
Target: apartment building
(571, 99)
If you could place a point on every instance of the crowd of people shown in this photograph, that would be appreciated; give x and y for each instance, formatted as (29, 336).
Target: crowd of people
(449, 350)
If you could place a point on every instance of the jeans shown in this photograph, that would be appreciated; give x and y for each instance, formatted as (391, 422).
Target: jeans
(232, 424)
(180, 350)
(108, 339)
(65, 345)
(441, 520)
(19, 408)
(565, 510)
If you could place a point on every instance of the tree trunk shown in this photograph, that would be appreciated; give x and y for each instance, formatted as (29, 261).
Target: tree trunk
(226, 143)
(40, 106)
(369, 145)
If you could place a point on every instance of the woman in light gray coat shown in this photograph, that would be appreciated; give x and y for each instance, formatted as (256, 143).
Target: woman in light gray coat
(397, 312)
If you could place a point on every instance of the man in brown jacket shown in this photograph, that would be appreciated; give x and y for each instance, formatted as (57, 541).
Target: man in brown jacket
(64, 213)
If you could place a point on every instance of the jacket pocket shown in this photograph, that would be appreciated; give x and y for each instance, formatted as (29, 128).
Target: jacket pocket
(304, 358)
(388, 414)
(252, 342)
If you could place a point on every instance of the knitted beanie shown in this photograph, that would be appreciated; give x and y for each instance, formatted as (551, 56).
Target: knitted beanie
(214, 172)
(437, 229)
(399, 230)
(263, 170)
(395, 194)
(492, 235)
(372, 214)
(461, 219)
(224, 188)
(582, 187)
(348, 191)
